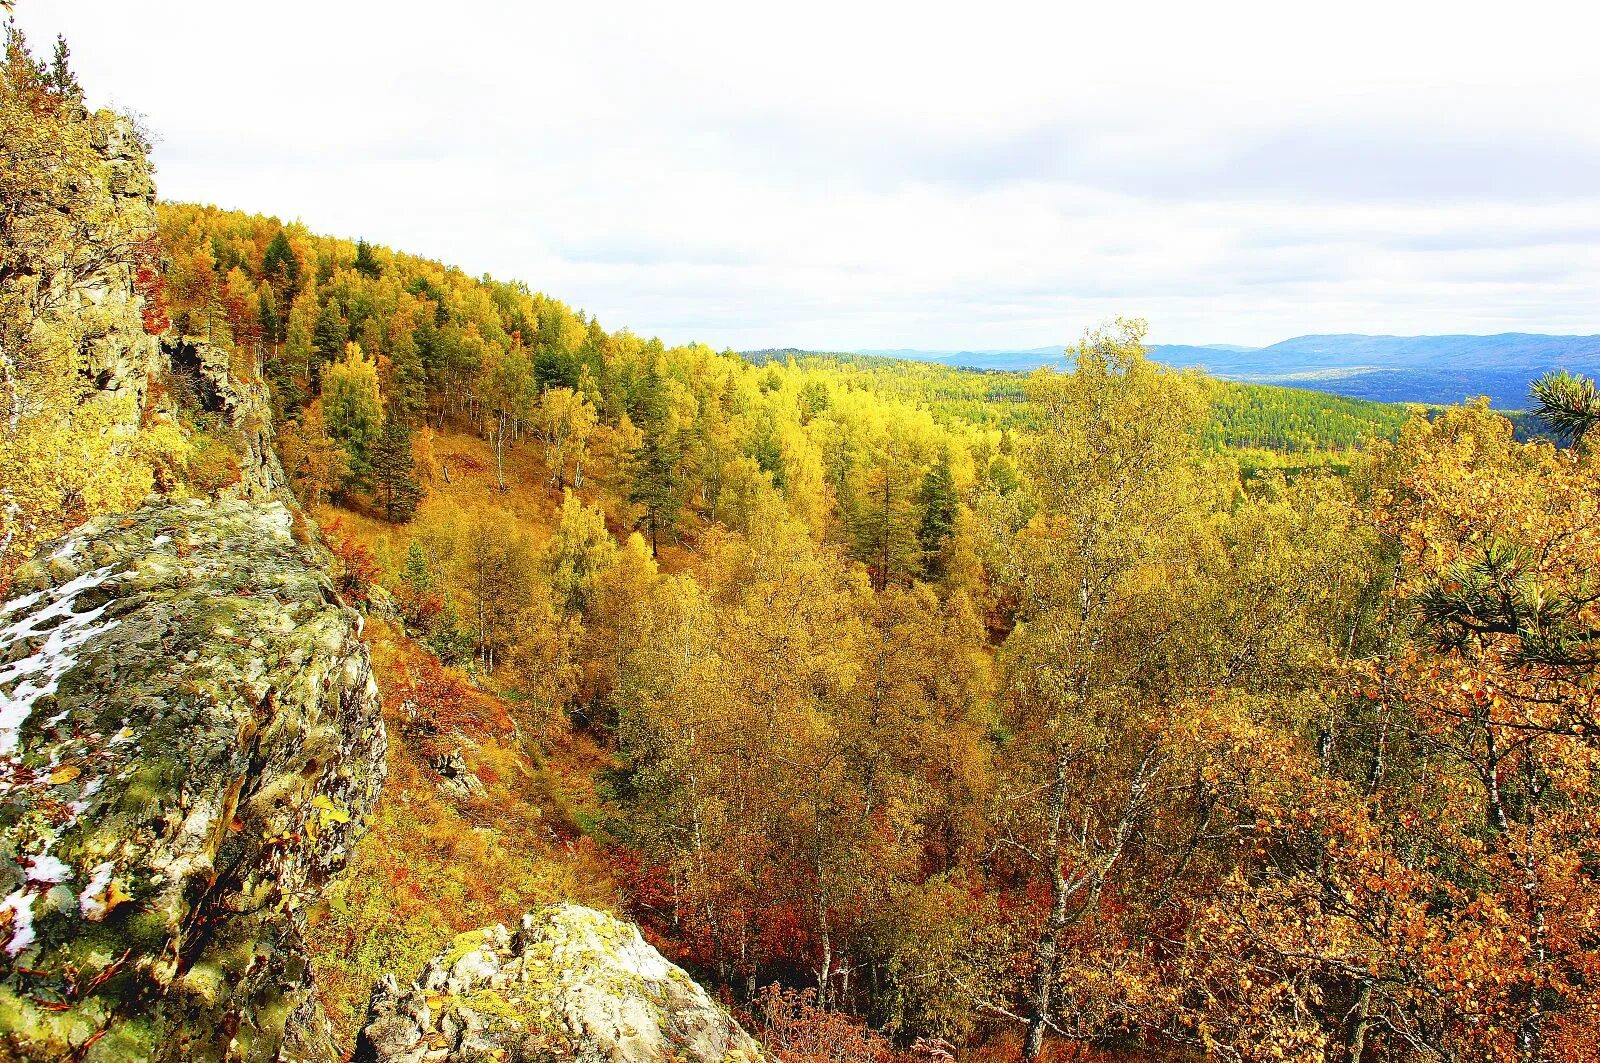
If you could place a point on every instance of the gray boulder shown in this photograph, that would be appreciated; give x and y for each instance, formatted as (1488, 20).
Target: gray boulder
(571, 984)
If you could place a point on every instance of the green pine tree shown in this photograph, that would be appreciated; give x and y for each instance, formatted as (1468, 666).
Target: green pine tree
(656, 482)
(937, 500)
(417, 574)
(281, 269)
(365, 263)
(330, 335)
(394, 471)
(1569, 406)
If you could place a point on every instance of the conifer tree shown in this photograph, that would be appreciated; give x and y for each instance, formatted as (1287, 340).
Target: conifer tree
(330, 334)
(271, 322)
(1568, 405)
(281, 270)
(62, 79)
(365, 263)
(394, 470)
(555, 367)
(937, 500)
(656, 486)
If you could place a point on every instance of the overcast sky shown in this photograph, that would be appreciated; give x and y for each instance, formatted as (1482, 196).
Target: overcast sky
(852, 175)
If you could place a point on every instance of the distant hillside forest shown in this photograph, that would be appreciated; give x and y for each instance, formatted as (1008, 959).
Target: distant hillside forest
(1263, 418)
(1430, 370)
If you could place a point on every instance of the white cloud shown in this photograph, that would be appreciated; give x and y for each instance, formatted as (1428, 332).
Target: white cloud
(854, 175)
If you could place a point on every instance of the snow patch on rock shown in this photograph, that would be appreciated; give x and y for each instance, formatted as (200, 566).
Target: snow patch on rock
(48, 868)
(19, 906)
(25, 682)
(92, 902)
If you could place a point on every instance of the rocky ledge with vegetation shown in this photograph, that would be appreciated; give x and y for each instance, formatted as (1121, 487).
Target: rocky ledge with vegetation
(190, 742)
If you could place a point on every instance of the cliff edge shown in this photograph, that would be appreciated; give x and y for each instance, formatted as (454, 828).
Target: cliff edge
(190, 742)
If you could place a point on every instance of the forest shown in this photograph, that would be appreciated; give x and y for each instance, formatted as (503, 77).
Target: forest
(1295, 421)
(1111, 714)
(982, 710)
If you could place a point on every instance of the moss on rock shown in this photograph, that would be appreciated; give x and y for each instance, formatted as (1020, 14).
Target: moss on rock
(190, 742)
(572, 984)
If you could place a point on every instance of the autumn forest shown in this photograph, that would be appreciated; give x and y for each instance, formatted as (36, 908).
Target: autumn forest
(1117, 713)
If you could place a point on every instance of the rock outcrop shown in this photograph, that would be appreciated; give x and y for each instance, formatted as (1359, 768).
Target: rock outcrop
(203, 376)
(145, 374)
(190, 743)
(120, 357)
(571, 984)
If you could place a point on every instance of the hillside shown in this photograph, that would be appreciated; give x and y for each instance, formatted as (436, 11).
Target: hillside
(193, 740)
(759, 648)
(1260, 424)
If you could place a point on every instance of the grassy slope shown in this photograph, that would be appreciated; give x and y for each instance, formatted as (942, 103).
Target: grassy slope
(436, 863)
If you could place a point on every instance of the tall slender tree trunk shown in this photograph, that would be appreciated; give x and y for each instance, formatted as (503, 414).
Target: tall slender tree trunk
(1357, 1023)
(1046, 957)
(825, 970)
(499, 450)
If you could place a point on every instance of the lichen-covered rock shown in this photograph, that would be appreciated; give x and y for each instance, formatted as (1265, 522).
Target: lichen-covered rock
(142, 374)
(208, 375)
(119, 355)
(571, 984)
(455, 776)
(190, 742)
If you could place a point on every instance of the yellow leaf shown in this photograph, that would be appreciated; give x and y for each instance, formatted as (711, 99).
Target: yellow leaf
(329, 812)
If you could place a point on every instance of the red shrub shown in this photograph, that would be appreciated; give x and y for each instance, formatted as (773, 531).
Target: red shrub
(150, 283)
(796, 1030)
(355, 568)
(433, 703)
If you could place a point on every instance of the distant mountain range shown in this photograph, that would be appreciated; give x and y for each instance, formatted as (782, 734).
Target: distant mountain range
(1430, 369)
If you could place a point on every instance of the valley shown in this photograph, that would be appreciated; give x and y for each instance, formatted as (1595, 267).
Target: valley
(398, 665)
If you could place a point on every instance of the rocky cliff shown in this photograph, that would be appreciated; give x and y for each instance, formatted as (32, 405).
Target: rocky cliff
(204, 379)
(190, 738)
(571, 984)
(133, 362)
(119, 354)
(189, 743)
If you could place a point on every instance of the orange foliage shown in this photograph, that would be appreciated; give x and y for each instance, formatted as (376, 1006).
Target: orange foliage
(150, 283)
(433, 703)
(354, 566)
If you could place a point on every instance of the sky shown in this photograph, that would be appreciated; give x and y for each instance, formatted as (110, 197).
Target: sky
(850, 176)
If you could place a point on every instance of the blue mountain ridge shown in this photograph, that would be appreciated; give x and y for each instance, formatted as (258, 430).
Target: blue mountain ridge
(1426, 369)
